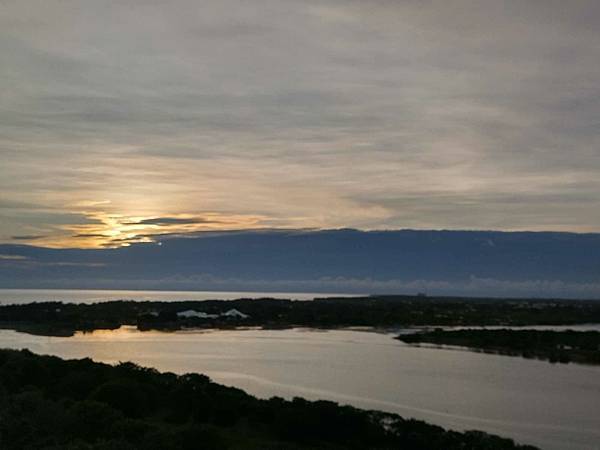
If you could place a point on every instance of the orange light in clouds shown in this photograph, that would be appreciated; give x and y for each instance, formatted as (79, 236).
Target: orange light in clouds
(118, 230)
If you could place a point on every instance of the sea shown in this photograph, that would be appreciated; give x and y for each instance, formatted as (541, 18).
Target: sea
(20, 296)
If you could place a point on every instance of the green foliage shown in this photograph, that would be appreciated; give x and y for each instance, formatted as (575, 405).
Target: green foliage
(64, 319)
(554, 346)
(127, 407)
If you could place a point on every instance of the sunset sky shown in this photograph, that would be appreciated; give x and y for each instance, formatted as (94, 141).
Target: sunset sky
(124, 120)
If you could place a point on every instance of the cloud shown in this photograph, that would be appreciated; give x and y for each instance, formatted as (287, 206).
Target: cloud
(474, 287)
(13, 257)
(27, 237)
(174, 221)
(114, 230)
(437, 262)
(306, 114)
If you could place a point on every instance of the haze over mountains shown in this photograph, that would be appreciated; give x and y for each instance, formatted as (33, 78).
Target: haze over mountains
(484, 263)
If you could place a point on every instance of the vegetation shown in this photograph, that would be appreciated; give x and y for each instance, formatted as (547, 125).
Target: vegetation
(47, 403)
(55, 318)
(554, 346)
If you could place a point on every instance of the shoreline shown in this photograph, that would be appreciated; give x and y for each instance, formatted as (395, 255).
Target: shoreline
(568, 346)
(164, 404)
(373, 314)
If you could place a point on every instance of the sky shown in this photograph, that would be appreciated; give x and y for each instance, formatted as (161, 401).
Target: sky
(471, 263)
(121, 121)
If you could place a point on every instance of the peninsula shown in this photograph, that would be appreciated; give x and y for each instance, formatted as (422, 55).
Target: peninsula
(64, 319)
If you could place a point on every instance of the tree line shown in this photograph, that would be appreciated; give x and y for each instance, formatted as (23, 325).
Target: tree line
(47, 403)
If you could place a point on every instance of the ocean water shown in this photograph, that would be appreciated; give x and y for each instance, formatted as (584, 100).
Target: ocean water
(20, 296)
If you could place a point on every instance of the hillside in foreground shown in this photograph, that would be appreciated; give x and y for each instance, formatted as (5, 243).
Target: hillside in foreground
(49, 403)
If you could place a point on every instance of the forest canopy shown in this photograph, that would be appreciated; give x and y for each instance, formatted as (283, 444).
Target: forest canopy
(47, 403)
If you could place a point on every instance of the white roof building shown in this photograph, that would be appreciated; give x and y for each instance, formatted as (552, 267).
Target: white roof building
(190, 313)
(198, 314)
(235, 313)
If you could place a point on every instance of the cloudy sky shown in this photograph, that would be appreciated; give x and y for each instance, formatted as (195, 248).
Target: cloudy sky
(122, 120)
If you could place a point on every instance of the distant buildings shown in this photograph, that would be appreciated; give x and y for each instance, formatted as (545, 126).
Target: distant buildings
(232, 313)
(235, 313)
(199, 314)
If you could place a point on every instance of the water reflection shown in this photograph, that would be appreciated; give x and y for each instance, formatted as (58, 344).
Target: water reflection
(552, 406)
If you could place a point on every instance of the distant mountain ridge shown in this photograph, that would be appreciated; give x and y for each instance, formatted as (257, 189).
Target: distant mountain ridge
(489, 263)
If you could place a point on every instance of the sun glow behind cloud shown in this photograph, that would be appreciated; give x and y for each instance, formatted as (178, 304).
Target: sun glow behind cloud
(104, 229)
(372, 115)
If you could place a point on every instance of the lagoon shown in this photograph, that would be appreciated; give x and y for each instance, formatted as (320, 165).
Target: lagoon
(534, 402)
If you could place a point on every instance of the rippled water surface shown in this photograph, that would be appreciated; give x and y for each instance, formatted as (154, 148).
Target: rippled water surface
(552, 406)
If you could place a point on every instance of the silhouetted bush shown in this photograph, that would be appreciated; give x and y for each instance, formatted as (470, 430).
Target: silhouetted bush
(127, 407)
(554, 346)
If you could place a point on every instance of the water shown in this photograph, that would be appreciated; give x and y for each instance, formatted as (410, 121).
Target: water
(552, 406)
(20, 296)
